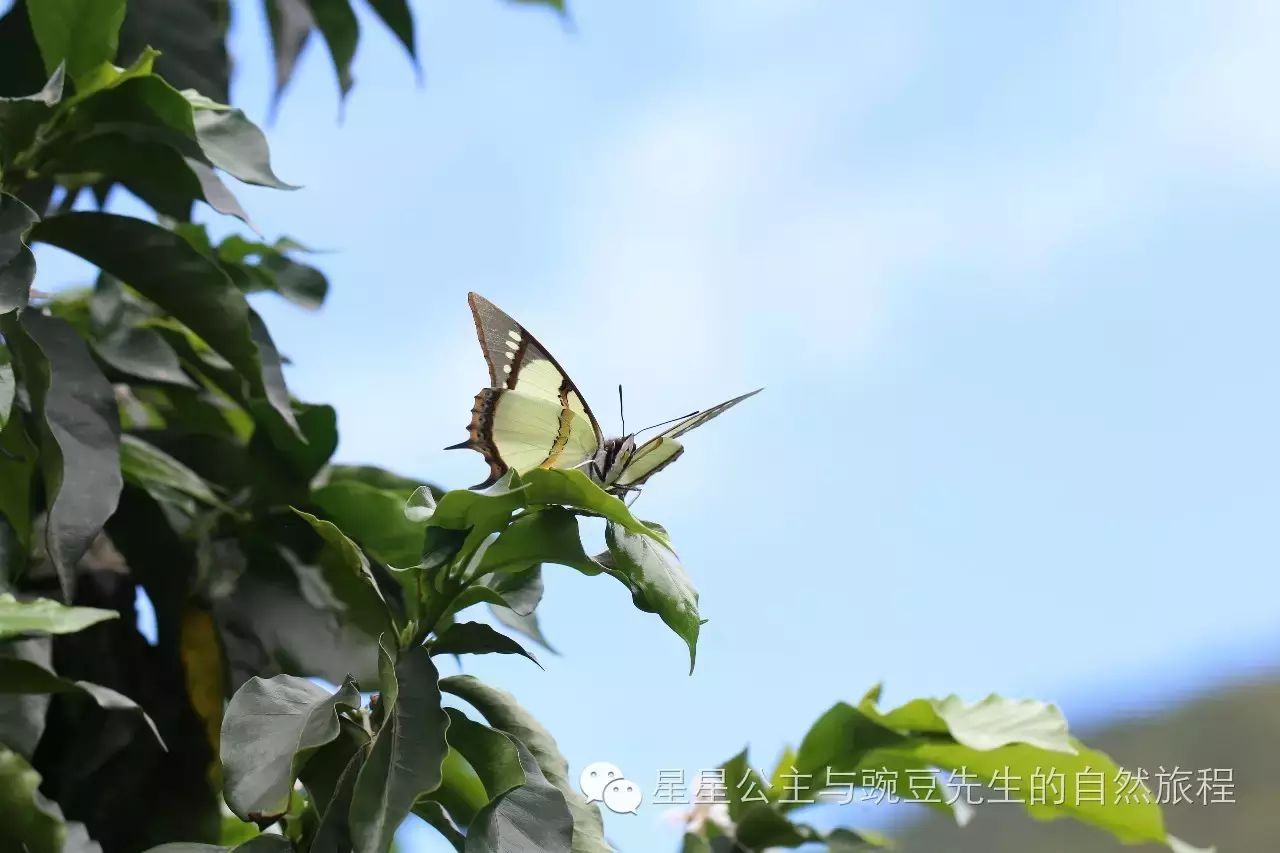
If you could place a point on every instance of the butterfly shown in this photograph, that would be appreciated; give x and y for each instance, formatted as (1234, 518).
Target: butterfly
(534, 416)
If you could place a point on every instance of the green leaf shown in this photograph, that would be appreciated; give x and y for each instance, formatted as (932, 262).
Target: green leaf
(290, 23)
(271, 727)
(374, 517)
(491, 753)
(18, 459)
(26, 677)
(334, 831)
(166, 269)
(505, 714)
(405, 760)
(476, 638)
(437, 817)
(79, 435)
(42, 616)
(573, 488)
(341, 31)
(190, 36)
(257, 844)
(17, 263)
(81, 33)
(323, 771)
(531, 816)
(150, 468)
(346, 569)
(31, 822)
(992, 723)
(8, 385)
(21, 117)
(657, 581)
(396, 15)
(237, 146)
(548, 535)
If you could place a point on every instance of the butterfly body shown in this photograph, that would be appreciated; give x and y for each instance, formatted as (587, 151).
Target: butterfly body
(534, 416)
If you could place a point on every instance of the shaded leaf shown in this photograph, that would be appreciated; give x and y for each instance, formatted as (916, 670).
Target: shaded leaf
(42, 616)
(405, 760)
(150, 468)
(79, 435)
(532, 816)
(435, 816)
(657, 581)
(341, 31)
(290, 23)
(505, 714)
(191, 38)
(17, 263)
(396, 15)
(375, 517)
(334, 831)
(258, 844)
(26, 676)
(347, 571)
(476, 638)
(166, 269)
(270, 729)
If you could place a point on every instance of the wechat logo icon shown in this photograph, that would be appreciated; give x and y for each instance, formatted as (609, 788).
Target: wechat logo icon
(603, 782)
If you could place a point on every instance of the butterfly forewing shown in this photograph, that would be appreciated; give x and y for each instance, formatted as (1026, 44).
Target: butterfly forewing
(533, 415)
(663, 449)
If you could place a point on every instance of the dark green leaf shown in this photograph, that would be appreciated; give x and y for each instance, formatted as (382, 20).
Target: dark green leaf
(405, 761)
(657, 581)
(22, 715)
(271, 727)
(549, 535)
(42, 616)
(347, 572)
(437, 817)
(191, 38)
(166, 269)
(532, 816)
(21, 117)
(25, 676)
(80, 435)
(291, 24)
(322, 774)
(150, 468)
(396, 15)
(18, 459)
(17, 263)
(334, 832)
(341, 31)
(257, 844)
(476, 638)
(81, 33)
(505, 714)
(21, 68)
(374, 517)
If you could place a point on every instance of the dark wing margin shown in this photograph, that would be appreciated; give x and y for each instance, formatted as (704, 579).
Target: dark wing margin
(480, 435)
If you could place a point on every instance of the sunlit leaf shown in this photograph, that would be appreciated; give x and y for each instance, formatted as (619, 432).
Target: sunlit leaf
(42, 616)
(81, 33)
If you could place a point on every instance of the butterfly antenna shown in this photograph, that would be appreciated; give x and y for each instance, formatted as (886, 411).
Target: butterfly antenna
(621, 411)
(673, 420)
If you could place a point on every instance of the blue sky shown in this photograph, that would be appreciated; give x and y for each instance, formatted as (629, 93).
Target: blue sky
(1007, 271)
